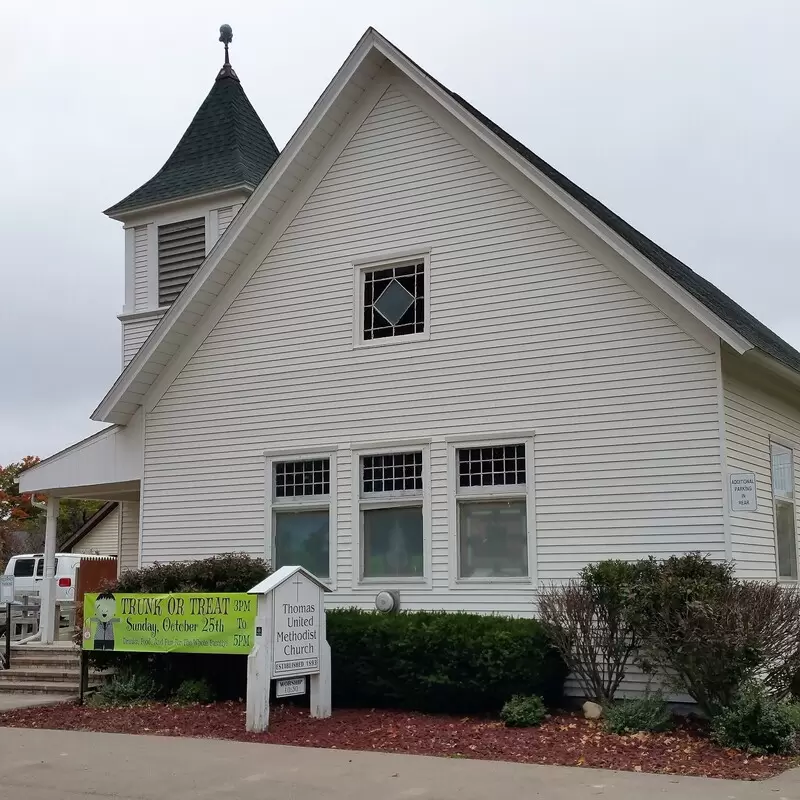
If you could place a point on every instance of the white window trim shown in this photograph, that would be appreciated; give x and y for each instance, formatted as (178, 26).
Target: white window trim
(312, 503)
(456, 493)
(362, 265)
(792, 448)
(390, 499)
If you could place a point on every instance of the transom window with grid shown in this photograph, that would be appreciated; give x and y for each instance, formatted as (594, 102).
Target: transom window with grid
(301, 494)
(393, 300)
(492, 521)
(492, 466)
(391, 508)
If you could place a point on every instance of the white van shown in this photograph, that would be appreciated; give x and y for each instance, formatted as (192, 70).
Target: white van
(28, 572)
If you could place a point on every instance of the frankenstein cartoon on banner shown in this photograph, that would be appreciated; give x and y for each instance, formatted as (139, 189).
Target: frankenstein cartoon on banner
(169, 623)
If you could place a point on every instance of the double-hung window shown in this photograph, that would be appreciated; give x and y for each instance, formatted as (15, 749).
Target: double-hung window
(492, 511)
(784, 507)
(301, 511)
(392, 514)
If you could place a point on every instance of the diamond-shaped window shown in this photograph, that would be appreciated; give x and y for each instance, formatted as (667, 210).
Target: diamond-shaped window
(394, 301)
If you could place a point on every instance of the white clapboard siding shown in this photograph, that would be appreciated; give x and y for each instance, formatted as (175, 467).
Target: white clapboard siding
(129, 536)
(225, 217)
(528, 332)
(751, 418)
(140, 269)
(103, 539)
(134, 333)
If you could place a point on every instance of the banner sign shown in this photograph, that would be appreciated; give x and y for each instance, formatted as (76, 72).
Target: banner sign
(169, 623)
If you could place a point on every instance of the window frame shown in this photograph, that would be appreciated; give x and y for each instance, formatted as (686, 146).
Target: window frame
(385, 261)
(391, 500)
(457, 494)
(319, 502)
(791, 447)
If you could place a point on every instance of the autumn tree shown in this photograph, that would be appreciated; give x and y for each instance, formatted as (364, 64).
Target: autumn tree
(22, 523)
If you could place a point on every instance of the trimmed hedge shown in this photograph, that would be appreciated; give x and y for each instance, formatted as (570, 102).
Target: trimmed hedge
(440, 661)
(425, 661)
(229, 572)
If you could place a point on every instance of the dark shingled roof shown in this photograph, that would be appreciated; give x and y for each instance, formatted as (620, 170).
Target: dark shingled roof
(225, 146)
(729, 311)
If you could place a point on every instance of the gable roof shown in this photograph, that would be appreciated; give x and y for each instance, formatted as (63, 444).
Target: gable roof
(88, 526)
(283, 181)
(728, 310)
(226, 146)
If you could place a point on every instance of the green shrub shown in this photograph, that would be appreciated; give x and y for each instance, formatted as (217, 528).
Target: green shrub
(756, 723)
(713, 634)
(229, 572)
(194, 691)
(127, 688)
(437, 661)
(649, 713)
(589, 624)
(523, 711)
(793, 712)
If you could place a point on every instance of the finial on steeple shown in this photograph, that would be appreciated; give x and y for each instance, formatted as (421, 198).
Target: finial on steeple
(226, 37)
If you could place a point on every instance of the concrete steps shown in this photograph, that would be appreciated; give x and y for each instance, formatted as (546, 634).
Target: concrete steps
(47, 669)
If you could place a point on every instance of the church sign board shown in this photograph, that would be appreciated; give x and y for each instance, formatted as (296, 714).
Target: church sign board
(296, 633)
(290, 642)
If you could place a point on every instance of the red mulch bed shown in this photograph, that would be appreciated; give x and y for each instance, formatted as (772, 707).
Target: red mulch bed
(565, 739)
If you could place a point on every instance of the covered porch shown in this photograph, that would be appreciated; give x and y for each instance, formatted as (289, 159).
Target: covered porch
(106, 466)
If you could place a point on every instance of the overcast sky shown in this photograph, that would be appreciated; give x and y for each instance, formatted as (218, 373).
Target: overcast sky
(681, 115)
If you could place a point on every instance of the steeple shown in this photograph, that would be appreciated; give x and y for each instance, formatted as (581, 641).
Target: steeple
(226, 146)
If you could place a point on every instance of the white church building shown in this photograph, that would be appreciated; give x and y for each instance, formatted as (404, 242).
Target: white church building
(408, 354)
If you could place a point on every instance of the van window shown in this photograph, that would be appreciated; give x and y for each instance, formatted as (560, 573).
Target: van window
(23, 568)
(40, 568)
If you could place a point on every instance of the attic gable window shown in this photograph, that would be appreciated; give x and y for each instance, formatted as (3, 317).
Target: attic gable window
(393, 299)
(181, 250)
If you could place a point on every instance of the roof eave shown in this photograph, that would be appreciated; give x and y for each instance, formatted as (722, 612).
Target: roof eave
(126, 214)
(773, 365)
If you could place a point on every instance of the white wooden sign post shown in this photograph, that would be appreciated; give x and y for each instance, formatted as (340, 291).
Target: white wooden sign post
(290, 643)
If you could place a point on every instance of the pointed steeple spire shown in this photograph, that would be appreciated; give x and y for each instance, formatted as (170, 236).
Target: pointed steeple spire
(226, 146)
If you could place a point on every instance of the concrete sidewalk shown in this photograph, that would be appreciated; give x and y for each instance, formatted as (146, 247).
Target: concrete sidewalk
(11, 700)
(52, 765)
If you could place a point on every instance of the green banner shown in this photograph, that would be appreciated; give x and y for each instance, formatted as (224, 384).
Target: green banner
(169, 623)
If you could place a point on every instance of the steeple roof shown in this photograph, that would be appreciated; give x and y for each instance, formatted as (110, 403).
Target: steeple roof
(226, 146)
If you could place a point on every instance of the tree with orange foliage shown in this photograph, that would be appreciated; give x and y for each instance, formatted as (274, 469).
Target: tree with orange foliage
(16, 507)
(17, 511)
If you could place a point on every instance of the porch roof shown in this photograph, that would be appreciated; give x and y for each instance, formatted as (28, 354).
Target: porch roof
(104, 466)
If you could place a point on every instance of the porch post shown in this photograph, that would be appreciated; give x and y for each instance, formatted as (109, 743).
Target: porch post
(47, 621)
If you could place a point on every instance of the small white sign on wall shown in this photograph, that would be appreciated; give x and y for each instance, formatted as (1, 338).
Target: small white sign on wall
(743, 491)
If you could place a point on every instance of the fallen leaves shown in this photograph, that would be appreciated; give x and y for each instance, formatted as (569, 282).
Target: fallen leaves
(565, 739)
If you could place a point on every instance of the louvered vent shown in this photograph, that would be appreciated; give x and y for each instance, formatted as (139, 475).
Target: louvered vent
(181, 250)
